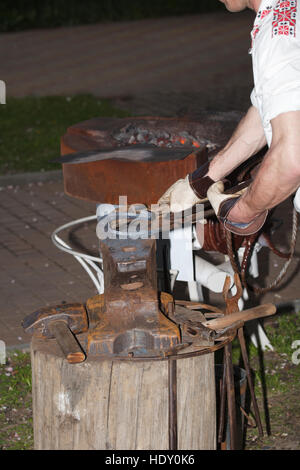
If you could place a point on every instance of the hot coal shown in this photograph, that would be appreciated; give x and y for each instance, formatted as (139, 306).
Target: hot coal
(132, 134)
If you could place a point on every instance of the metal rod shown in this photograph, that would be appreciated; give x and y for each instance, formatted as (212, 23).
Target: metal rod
(222, 404)
(173, 431)
(231, 397)
(250, 381)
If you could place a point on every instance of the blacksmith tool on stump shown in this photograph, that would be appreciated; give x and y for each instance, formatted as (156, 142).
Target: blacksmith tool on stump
(62, 322)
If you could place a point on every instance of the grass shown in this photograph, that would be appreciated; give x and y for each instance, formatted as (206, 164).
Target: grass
(31, 127)
(281, 373)
(278, 364)
(285, 331)
(277, 385)
(15, 403)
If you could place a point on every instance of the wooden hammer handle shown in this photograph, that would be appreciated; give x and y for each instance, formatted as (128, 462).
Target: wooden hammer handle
(67, 342)
(246, 315)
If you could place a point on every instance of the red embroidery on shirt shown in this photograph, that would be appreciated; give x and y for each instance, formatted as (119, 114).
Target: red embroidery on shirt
(263, 13)
(284, 18)
(260, 16)
(254, 32)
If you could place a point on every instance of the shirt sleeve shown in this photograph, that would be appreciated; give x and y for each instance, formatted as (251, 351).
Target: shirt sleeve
(279, 63)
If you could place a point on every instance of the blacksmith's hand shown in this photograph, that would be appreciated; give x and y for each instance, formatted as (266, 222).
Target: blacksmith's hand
(186, 192)
(224, 203)
(178, 197)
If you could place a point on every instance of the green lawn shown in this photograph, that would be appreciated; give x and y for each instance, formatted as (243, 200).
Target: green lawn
(15, 403)
(31, 127)
(279, 372)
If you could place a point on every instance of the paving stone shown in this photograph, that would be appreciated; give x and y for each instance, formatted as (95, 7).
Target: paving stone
(32, 268)
(176, 54)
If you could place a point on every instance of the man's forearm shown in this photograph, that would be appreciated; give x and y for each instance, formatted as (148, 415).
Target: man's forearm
(279, 174)
(246, 141)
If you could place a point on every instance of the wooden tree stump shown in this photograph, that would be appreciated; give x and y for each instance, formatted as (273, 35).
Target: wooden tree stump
(118, 405)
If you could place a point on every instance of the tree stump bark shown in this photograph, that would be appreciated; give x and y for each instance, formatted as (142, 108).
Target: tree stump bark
(118, 405)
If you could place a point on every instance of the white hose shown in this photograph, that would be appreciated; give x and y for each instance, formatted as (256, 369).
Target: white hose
(65, 247)
(84, 259)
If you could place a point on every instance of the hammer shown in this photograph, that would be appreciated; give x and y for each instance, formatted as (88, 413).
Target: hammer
(207, 329)
(62, 323)
(253, 313)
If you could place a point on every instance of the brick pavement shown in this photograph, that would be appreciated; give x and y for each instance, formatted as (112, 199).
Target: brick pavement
(34, 273)
(177, 55)
(167, 67)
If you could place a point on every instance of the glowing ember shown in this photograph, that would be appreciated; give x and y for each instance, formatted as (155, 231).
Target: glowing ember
(132, 134)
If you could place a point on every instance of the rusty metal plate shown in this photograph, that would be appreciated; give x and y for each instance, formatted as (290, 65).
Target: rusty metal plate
(131, 153)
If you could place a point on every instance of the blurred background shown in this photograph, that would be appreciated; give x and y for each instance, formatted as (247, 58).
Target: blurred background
(67, 61)
(28, 14)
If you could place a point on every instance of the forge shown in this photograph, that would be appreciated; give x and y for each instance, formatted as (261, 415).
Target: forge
(142, 181)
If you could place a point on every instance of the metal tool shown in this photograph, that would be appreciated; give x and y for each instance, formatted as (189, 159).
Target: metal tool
(232, 306)
(232, 311)
(62, 323)
(130, 153)
(227, 386)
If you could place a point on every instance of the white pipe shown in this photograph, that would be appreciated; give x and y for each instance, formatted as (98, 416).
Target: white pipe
(173, 276)
(263, 339)
(181, 253)
(195, 291)
(210, 276)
